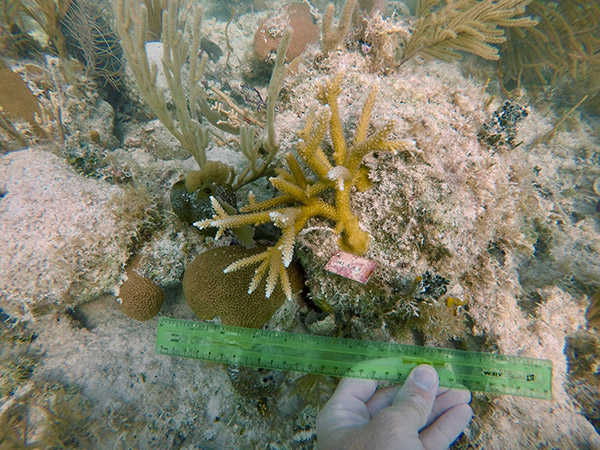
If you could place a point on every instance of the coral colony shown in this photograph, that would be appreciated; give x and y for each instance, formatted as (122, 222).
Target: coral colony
(342, 176)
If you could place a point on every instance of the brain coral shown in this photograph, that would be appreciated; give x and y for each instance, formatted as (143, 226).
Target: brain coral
(141, 298)
(210, 292)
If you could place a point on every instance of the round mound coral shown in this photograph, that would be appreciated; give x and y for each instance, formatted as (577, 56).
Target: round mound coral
(209, 292)
(140, 298)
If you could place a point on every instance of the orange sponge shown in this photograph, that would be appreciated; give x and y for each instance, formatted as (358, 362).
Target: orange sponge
(269, 33)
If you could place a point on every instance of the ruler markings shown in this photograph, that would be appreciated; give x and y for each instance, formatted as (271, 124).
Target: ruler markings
(347, 357)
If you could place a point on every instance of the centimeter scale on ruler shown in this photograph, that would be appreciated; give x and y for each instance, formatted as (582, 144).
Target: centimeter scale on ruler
(485, 372)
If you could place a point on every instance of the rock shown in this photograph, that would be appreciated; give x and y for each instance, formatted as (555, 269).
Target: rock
(60, 241)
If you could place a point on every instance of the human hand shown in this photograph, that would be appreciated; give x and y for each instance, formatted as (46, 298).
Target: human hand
(418, 415)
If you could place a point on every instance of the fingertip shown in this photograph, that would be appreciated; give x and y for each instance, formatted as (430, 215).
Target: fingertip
(416, 397)
(447, 428)
(382, 398)
(425, 377)
(461, 395)
(359, 388)
(463, 413)
(446, 401)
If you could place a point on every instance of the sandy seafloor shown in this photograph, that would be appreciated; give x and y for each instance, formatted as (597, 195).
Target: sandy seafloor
(515, 232)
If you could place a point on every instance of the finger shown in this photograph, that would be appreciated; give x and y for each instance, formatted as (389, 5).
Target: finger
(357, 388)
(346, 407)
(446, 428)
(441, 390)
(382, 399)
(414, 401)
(385, 396)
(447, 400)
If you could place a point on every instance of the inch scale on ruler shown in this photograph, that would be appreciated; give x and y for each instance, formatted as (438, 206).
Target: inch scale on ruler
(485, 372)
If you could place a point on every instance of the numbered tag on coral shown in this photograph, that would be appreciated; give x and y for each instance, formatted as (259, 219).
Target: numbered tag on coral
(351, 266)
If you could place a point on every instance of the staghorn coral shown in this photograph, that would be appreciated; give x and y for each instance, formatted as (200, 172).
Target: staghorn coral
(340, 176)
(463, 25)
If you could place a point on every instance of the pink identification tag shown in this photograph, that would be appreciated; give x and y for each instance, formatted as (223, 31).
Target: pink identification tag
(351, 266)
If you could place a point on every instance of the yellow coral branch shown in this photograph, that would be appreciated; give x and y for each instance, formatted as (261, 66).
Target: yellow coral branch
(316, 207)
(285, 282)
(296, 170)
(224, 221)
(315, 189)
(303, 193)
(377, 141)
(276, 258)
(361, 181)
(328, 95)
(310, 150)
(291, 189)
(271, 203)
(365, 116)
(284, 174)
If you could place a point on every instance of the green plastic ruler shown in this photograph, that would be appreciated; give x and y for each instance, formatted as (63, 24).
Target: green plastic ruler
(498, 374)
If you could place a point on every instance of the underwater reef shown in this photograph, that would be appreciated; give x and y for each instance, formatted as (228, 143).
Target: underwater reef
(185, 159)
